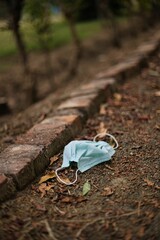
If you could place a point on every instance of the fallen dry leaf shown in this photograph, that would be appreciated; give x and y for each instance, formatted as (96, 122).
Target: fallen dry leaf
(102, 109)
(86, 188)
(102, 128)
(144, 117)
(157, 94)
(40, 207)
(157, 127)
(110, 112)
(158, 111)
(149, 183)
(117, 97)
(67, 199)
(47, 188)
(107, 191)
(42, 189)
(73, 199)
(47, 177)
(54, 159)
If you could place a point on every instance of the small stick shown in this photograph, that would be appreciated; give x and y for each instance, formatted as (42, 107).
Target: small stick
(86, 225)
(51, 234)
(107, 166)
(128, 214)
(138, 210)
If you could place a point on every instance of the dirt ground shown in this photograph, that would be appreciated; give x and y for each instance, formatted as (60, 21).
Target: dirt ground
(124, 199)
(98, 55)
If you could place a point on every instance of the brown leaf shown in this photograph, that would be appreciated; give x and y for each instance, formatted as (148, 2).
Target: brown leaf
(149, 183)
(157, 127)
(102, 109)
(42, 189)
(47, 177)
(40, 207)
(47, 188)
(73, 199)
(158, 111)
(102, 128)
(54, 159)
(157, 94)
(107, 191)
(67, 199)
(117, 97)
(144, 117)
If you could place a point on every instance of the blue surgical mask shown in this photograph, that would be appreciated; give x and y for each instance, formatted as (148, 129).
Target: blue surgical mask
(86, 154)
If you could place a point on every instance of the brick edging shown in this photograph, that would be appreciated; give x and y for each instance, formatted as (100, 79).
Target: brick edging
(21, 162)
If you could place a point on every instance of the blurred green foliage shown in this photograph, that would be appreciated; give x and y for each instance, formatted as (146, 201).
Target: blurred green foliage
(39, 30)
(60, 31)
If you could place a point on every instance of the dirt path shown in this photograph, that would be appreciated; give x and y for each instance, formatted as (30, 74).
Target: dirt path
(123, 202)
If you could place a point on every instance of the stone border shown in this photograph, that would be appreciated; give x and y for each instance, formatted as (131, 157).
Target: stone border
(21, 162)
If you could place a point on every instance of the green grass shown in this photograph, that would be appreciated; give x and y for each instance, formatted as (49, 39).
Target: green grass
(7, 44)
(61, 36)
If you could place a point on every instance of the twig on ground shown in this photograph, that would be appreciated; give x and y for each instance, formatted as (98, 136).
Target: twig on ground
(86, 225)
(138, 210)
(48, 228)
(128, 214)
(27, 230)
(110, 168)
(71, 221)
(50, 232)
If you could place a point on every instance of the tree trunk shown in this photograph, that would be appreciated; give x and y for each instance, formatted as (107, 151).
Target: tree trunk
(15, 11)
(15, 8)
(21, 48)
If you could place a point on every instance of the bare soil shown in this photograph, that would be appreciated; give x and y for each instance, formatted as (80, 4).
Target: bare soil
(124, 200)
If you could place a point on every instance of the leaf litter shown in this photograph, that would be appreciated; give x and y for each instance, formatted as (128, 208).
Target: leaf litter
(118, 211)
(86, 188)
(47, 177)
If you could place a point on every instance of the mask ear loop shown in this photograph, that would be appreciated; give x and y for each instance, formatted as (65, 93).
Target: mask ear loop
(107, 134)
(61, 180)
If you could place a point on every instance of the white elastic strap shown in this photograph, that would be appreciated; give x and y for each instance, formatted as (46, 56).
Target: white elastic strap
(107, 134)
(61, 180)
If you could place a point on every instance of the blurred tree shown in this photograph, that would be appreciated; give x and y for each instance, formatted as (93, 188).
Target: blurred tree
(68, 9)
(86, 10)
(14, 13)
(149, 10)
(39, 13)
(108, 13)
(3, 10)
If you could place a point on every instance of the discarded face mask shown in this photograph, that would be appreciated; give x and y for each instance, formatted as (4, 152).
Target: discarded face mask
(86, 154)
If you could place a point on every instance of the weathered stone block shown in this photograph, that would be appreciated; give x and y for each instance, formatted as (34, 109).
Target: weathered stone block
(17, 161)
(52, 133)
(7, 188)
